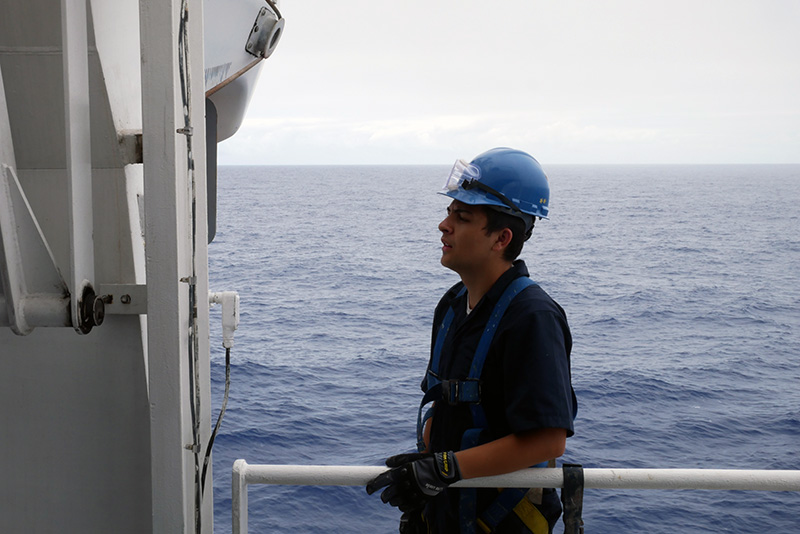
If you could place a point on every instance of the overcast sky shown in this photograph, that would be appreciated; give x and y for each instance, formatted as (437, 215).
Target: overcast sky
(413, 81)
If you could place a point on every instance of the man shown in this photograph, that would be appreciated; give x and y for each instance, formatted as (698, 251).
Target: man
(499, 374)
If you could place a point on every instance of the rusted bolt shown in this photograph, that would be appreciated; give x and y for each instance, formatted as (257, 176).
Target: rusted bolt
(98, 311)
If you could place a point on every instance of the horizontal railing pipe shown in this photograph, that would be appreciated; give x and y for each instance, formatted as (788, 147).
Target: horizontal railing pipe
(596, 478)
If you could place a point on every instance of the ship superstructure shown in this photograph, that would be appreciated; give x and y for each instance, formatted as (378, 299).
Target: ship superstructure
(106, 178)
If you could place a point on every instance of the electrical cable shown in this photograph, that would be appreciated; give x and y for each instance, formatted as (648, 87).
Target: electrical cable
(193, 345)
(219, 418)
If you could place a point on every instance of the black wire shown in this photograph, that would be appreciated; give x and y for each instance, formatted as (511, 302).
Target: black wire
(219, 419)
(183, 59)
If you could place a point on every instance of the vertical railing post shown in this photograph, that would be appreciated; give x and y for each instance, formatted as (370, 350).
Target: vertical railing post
(176, 260)
(239, 498)
(79, 162)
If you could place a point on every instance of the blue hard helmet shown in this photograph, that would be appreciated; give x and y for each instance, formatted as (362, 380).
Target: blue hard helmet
(505, 179)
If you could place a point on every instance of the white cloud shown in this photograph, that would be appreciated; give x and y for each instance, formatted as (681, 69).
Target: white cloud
(364, 81)
(424, 140)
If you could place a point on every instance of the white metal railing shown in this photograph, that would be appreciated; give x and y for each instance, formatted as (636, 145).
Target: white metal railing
(596, 478)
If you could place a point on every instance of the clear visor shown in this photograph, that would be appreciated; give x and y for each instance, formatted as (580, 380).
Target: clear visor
(462, 172)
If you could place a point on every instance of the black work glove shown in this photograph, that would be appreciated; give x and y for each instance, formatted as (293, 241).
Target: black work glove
(412, 522)
(415, 478)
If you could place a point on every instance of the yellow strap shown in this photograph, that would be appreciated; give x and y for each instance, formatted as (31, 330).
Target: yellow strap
(532, 517)
(484, 526)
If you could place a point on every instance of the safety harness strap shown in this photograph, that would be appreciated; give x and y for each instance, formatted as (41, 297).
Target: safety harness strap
(468, 497)
(513, 289)
(503, 505)
(437, 347)
(434, 391)
(469, 391)
(472, 437)
(464, 391)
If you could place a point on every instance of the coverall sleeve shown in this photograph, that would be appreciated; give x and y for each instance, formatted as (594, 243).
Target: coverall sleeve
(536, 371)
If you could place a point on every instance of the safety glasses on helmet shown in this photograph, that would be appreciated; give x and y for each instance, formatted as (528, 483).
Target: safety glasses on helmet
(461, 172)
(467, 176)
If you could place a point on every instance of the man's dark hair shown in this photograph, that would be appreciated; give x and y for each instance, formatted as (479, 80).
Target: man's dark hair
(496, 221)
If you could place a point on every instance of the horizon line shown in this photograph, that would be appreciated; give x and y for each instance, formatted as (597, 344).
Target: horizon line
(450, 164)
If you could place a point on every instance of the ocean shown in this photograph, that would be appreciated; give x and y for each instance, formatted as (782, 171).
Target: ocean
(682, 288)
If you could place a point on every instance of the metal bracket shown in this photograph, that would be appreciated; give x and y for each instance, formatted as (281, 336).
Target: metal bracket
(124, 299)
(33, 291)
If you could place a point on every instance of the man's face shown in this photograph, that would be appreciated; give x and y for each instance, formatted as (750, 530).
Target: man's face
(465, 246)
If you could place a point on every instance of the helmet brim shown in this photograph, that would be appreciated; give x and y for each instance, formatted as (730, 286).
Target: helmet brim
(473, 197)
(476, 197)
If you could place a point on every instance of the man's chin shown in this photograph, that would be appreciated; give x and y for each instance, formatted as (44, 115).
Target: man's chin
(446, 263)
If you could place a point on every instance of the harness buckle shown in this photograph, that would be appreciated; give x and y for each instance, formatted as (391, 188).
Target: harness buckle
(461, 391)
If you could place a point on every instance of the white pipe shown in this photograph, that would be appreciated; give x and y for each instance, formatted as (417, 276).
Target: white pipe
(595, 478)
(725, 479)
(705, 479)
(47, 310)
(311, 475)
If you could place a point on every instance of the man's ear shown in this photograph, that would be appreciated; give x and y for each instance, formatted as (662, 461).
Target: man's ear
(503, 239)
